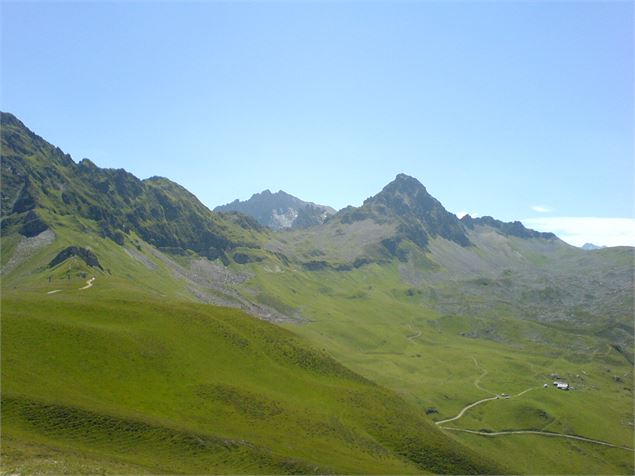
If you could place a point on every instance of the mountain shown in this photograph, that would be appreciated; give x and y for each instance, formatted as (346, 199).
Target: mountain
(402, 221)
(142, 332)
(41, 185)
(279, 210)
(419, 215)
(114, 361)
(591, 247)
(510, 229)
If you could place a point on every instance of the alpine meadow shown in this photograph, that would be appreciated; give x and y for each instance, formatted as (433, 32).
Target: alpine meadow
(148, 330)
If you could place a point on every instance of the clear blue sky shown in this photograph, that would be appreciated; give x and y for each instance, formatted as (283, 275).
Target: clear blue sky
(496, 107)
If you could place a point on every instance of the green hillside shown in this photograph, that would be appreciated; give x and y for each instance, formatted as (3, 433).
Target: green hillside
(447, 323)
(186, 388)
(135, 334)
(387, 331)
(110, 365)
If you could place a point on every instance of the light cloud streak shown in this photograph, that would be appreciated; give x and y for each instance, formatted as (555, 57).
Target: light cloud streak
(580, 230)
(541, 208)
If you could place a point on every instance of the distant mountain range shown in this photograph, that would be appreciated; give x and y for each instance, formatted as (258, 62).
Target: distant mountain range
(120, 342)
(279, 210)
(591, 247)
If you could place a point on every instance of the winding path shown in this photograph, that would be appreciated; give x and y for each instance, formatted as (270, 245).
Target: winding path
(477, 385)
(515, 432)
(478, 379)
(410, 338)
(89, 283)
(537, 432)
(524, 392)
(440, 422)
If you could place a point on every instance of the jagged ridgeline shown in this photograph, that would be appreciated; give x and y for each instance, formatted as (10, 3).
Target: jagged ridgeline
(40, 183)
(279, 210)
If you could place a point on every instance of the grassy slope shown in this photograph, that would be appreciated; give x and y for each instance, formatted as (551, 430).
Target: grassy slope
(364, 317)
(126, 274)
(117, 384)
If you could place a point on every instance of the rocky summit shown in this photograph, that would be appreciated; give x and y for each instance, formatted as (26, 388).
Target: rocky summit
(279, 210)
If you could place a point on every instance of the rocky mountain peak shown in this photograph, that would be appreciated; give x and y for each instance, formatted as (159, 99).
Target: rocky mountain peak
(422, 215)
(279, 210)
(403, 188)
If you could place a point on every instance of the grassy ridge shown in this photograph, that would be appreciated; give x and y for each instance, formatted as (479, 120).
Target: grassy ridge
(363, 318)
(191, 388)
